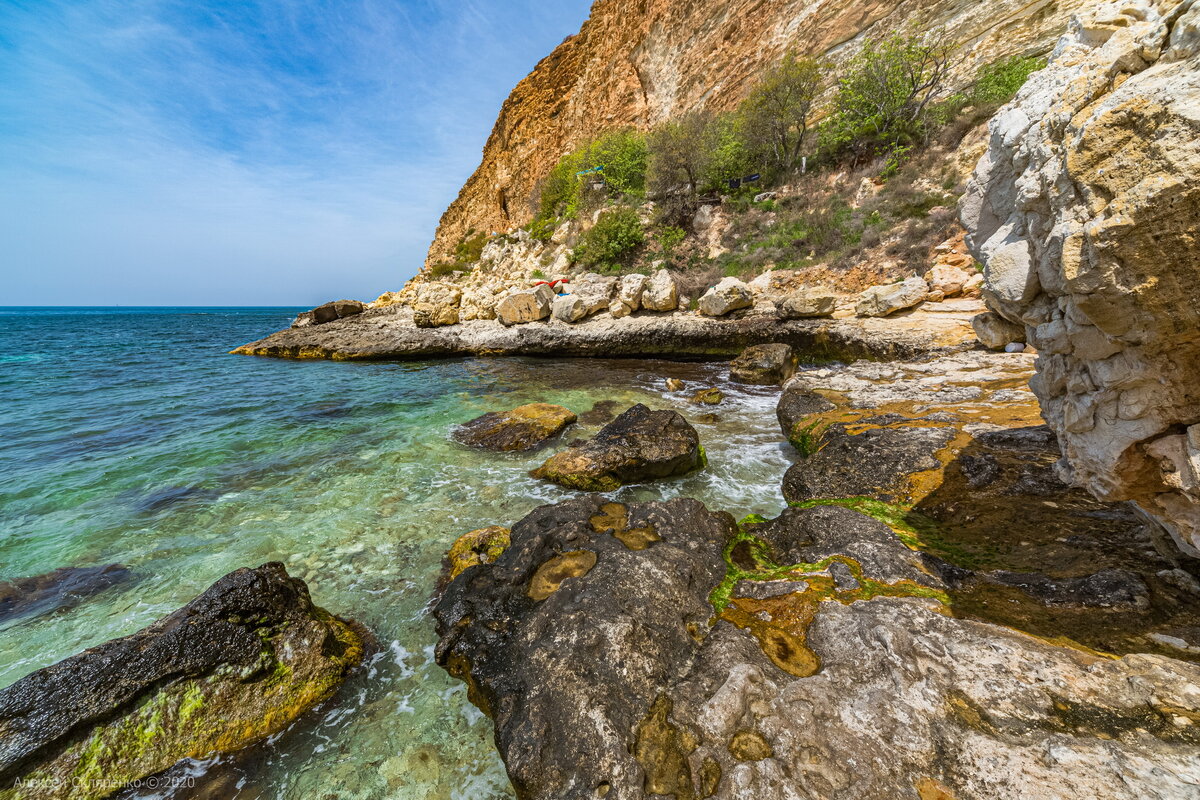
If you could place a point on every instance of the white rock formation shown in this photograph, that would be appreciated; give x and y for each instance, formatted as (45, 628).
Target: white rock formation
(1086, 214)
(727, 296)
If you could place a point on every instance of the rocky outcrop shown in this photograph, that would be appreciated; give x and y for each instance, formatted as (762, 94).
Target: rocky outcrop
(388, 333)
(764, 365)
(637, 65)
(330, 312)
(63, 588)
(638, 446)
(237, 664)
(524, 428)
(662, 293)
(659, 650)
(875, 457)
(521, 308)
(1086, 214)
(995, 332)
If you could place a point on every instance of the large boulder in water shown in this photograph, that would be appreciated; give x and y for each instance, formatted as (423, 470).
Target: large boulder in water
(238, 664)
(526, 427)
(638, 446)
(655, 650)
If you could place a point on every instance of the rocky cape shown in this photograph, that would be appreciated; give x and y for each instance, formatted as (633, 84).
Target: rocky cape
(389, 333)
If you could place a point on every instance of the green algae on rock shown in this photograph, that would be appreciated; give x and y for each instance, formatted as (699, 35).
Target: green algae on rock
(638, 446)
(524, 428)
(237, 664)
(477, 547)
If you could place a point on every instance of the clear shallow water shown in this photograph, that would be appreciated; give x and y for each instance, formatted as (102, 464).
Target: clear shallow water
(129, 435)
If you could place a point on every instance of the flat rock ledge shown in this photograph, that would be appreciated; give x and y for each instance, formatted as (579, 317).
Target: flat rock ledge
(238, 664)
(389, 334)
(659, 650)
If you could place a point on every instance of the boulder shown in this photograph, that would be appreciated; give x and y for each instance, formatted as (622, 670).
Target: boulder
(478, 303)
(596, 291)
(995, 332)
(657, 650)
(638, 446)
(704, 218)
(876, 457)
(569, 308)
(808, 303)
(63, 588)
(796, 410)
(526, 427)
(427, 315)
(631, 289)
(661, 292)
(675, 385)
(234, 666)
(764, 365)
(520, 308)
(1087, 229)
(727, 296)
(618, 309)
(330, 312)
(948, 280)
(880, 301)
(709, 397)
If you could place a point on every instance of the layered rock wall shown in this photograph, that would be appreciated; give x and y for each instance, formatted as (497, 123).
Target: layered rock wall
(636, 62)
(1086, 213)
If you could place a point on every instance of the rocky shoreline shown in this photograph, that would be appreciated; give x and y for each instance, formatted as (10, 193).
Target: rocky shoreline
(389, 333)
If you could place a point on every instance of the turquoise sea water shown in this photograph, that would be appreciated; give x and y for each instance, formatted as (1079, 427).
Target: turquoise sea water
(129, 435)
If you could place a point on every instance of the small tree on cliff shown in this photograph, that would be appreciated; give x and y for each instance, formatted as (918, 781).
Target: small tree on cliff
(680, 152)
(885, 95)
(776, 117)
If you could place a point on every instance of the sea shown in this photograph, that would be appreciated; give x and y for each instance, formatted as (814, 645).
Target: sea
(131, 436)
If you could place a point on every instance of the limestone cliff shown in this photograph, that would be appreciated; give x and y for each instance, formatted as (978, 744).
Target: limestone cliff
(1086, 213)
(635, 62)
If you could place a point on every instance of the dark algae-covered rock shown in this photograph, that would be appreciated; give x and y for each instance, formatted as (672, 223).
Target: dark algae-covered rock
(876, 457)
(526, 427)
(237, 664)
(817, 650)
(638, 446)
(796, 411)
(63, 588)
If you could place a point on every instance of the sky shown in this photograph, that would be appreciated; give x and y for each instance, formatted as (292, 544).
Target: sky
(259, 152)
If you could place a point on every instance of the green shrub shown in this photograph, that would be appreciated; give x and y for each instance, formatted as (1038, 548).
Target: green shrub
(884, 97)
(466, 254)
(668, 239)
(610, 244)
(622, 154)
(776, 115)
(999, 82)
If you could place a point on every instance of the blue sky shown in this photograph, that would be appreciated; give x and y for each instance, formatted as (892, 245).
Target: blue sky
(265, 152)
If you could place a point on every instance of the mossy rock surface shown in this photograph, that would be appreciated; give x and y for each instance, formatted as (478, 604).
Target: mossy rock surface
(237, 664)
(524, 428)
(639, 446)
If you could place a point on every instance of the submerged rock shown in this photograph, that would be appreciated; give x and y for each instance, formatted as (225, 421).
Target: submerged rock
(638, 446)
(63, 588)
(237, 664)
(526, 427)
(607, 671)
(709, 397)
(764, 365)
(877, 457)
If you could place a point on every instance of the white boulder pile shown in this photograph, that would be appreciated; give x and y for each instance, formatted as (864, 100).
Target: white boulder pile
(1085, 212)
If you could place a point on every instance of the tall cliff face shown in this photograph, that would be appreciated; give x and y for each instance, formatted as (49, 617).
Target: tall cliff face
(1086, 214)
(636, 62)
